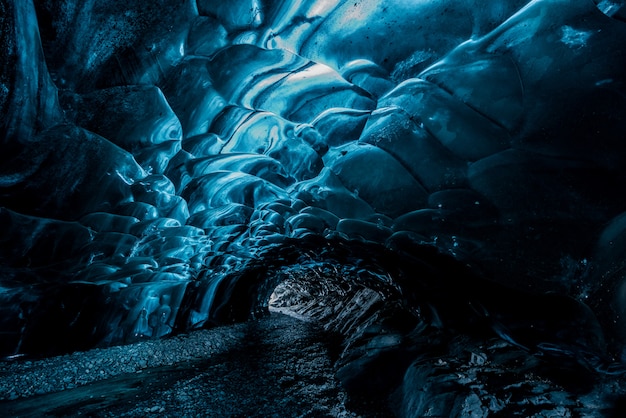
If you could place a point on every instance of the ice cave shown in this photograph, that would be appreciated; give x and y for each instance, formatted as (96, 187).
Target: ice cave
(313, 208)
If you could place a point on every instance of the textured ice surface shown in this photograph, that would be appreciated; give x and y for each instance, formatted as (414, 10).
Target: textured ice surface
(164, 164)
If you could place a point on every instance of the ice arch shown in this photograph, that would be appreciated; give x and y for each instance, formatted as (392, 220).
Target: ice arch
(167, 165)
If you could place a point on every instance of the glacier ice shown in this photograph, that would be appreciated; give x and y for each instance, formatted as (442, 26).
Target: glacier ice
(167, 166)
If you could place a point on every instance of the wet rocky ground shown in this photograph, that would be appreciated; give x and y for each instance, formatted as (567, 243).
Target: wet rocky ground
(280, 366)
(273, 367)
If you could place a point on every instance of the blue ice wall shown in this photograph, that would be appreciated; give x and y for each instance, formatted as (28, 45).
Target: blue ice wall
(153, 151)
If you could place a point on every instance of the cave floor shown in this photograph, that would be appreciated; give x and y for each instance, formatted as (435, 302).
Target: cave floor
(273, 367)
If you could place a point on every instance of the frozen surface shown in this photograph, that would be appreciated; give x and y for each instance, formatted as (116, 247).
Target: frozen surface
(166, 166)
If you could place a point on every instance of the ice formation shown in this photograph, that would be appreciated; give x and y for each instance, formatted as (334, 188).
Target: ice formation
(166, 165)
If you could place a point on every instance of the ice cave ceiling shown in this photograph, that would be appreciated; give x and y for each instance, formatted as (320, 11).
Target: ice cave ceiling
(167, 164)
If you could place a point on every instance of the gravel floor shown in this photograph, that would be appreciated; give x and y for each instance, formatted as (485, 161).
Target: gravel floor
(281, 366)
(274, 367)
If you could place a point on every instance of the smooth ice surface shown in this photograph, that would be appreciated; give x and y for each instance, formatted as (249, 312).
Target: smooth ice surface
(171, 166)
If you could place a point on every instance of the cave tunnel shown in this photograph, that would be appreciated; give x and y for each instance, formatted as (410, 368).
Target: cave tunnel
(424, 197)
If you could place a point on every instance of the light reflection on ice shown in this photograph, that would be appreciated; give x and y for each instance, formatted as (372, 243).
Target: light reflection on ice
(574, 38)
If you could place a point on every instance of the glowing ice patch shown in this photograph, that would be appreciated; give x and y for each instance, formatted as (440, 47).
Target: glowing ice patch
(574, 38)
(604, 82)
(318, 70)
(322, 8)
(124, 177)
(353, 15)
(608, 7)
